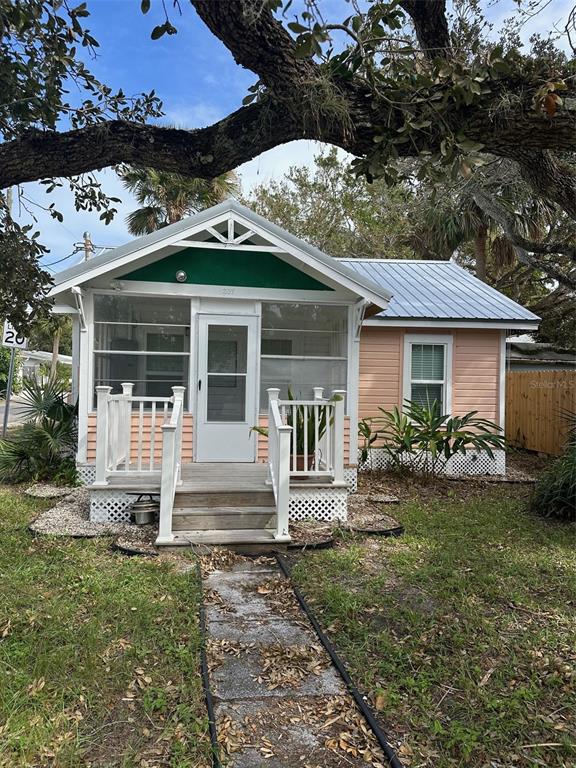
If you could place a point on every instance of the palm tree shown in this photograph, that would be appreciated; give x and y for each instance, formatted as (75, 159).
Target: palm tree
(168, 197)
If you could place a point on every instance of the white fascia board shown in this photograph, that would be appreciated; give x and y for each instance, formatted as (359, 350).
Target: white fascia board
(191, 290)
(128, 258)
(63, 309)
(496, 325)
(380, 300)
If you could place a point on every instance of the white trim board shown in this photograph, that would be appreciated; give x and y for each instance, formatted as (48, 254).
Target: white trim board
(504, 325)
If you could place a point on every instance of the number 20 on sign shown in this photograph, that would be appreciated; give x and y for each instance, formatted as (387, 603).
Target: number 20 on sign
(11, 337)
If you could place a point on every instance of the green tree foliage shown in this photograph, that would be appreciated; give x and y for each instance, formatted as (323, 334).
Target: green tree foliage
(165, 198)
(4, 370)
(336, 211)
(346, 216)
(394, 80)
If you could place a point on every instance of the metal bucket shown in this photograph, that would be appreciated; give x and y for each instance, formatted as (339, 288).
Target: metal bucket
(144, 512)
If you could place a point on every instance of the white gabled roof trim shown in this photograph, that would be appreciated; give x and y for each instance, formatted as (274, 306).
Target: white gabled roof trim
(173, 235)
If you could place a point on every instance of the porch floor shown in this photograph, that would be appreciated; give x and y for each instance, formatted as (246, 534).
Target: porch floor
(197, 477)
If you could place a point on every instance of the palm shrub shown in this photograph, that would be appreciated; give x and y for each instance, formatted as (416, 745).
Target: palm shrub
(43, 447)
(555, 492)
(422, 438)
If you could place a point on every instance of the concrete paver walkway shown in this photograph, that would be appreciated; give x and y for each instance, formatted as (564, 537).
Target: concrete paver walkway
(278, 701)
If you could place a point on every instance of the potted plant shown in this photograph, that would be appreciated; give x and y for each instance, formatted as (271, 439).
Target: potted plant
(302, 420)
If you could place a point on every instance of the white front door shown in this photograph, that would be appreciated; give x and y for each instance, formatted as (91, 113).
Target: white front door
(227, 397)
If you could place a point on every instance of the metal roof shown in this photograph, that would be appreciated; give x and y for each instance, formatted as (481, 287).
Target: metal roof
(108, 260)
(438, 290)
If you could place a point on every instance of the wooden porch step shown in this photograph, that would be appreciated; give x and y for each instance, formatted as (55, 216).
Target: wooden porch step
(238, 537)
(222, 518)
(205, 496)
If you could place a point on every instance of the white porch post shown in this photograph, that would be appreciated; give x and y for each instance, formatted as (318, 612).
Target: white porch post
(126, 421)
(102, 395)
(273, 394)
(283, 498)
(178, 394)
(166, 481)
(339, 395)
(318, 393)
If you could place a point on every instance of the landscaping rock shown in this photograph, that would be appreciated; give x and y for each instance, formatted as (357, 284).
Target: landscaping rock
(46, 491)
(70, 517)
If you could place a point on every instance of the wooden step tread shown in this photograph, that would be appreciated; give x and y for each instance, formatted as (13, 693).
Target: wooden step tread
(222, 510)
(238, 536)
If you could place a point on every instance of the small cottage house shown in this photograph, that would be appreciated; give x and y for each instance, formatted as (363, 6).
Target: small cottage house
(188, 338)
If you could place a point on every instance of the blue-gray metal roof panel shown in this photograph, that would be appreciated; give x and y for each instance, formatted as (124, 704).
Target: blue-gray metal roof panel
(437, 290)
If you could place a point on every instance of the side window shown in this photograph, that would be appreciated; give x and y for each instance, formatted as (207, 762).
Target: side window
(427, 370)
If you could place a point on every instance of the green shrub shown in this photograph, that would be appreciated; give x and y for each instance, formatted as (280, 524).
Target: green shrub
(555, 492)
(43, 447)
(423, 438)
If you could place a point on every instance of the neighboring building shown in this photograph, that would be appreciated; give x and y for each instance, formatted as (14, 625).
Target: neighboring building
(234, 312)
(36, 362)
(524, 355)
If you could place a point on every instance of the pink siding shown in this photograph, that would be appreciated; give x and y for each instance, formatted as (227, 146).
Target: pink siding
(380, 384)
(475, 369)
(187, 437)
(476, 372)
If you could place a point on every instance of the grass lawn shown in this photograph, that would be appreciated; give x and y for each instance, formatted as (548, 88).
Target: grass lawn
(463, 630)
(98, 653)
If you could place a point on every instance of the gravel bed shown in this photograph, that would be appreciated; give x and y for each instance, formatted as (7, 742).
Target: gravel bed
(46, 491)
(139, 540)
(69, 517)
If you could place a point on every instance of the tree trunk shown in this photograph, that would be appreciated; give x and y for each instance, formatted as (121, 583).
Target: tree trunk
(480, 248)
(55, 350)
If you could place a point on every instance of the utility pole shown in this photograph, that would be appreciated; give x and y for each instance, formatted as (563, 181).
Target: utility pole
(88, 246)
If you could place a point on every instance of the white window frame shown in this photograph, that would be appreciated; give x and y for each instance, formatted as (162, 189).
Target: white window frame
(447, 341)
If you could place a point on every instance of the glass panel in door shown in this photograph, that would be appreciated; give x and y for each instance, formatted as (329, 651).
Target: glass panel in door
(227, 357)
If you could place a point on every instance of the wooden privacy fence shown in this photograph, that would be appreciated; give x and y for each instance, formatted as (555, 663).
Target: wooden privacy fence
(535, 401)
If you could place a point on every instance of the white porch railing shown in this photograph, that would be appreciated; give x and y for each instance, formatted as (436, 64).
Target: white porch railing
(115, 427)
(305, 440)
(171, 466)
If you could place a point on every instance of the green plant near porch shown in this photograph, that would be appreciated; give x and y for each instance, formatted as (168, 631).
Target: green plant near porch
(43, 447)
(422, 438)
(301, 418)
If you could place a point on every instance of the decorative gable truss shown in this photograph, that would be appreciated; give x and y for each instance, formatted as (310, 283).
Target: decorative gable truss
(229, 247)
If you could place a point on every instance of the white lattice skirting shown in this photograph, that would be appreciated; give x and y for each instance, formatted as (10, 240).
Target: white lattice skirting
(470, 463)
(86, 473)
(318, 504)
(107, 506)
(351, 477)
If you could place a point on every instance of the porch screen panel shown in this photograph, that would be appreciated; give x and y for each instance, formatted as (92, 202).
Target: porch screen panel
(144, 340)
(303, 346)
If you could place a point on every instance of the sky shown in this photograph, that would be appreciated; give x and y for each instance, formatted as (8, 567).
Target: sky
(199, 83)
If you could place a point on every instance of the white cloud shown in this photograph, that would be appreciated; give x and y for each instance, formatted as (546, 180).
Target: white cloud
(274, 163)
(184, 115)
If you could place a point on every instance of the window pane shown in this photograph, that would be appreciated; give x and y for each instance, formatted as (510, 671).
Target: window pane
(308, 343)
(120, 308)
(140, 338)
(301, 376)
(227, 348)
(426, 394)
(428, 361)
(226, 398)
(152, 375)
(315, 317)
